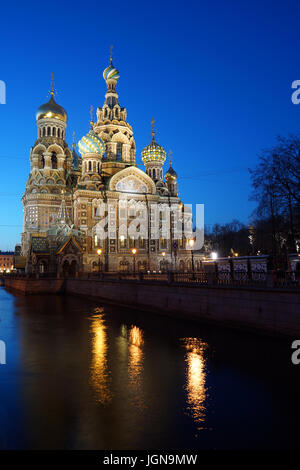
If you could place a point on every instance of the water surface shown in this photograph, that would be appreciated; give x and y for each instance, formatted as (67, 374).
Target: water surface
(81, 375)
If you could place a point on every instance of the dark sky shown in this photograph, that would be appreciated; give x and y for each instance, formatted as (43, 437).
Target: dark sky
(216, 76)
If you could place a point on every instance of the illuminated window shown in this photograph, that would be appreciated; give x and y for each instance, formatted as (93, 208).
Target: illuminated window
(163, 243)
(122, 241)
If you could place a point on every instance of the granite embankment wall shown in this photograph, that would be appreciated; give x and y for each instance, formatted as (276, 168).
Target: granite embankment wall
(266, 309)
(35, 286)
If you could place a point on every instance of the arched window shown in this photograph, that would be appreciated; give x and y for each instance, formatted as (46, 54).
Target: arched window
(58, 132)
(54, 131)
(41, 161)
(49, 131)
(54, 161)
(154, 174)
(90, 166)
(119, 151)
(44, 131)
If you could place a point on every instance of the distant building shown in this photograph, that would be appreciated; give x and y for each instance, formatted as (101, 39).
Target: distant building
(6, 261)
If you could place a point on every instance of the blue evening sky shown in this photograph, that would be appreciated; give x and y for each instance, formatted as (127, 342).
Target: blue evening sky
(216, 76)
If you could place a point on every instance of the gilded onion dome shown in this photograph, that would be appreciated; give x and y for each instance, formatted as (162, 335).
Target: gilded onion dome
(171, 175)
(51, 110)
(153, 152)
(91, 143)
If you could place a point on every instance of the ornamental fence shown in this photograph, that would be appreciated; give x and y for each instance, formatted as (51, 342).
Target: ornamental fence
(271, 279)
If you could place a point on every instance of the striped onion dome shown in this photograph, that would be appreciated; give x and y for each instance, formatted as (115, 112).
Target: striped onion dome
(91, 143)
(153, 153)
(110, 73)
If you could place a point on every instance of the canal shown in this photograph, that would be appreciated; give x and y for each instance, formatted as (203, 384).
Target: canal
(81, 375)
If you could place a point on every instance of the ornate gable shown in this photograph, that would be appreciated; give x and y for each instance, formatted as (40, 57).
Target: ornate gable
(132, 180)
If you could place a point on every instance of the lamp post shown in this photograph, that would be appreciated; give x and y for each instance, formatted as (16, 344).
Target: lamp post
(163, 255)
(191, 244)
(133, 251)
(99, 252)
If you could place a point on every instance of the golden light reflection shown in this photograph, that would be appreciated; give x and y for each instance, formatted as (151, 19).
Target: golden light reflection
(100, 376)
(195, 378)
(136, 364)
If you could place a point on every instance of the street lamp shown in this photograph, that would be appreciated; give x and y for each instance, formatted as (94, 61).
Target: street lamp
(163, 255)
(191, 244)
(99, 252)
(133, 251)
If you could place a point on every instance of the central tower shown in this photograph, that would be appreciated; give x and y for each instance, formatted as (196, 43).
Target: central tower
(112, 127)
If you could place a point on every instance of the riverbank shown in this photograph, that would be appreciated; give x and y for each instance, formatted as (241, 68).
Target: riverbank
(252, 308)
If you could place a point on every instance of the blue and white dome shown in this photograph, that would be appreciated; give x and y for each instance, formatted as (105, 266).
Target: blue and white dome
(111, 73)
(91, 143)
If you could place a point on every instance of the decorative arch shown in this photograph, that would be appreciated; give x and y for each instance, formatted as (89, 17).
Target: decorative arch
(55, 148)
(38, 149)
(132, 178)
(119, 137)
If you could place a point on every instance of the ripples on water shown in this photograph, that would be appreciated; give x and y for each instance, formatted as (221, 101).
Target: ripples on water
(82, 375)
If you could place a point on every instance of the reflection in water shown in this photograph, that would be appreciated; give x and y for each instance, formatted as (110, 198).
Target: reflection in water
(136, 364)
(100, 375)
(195, 378)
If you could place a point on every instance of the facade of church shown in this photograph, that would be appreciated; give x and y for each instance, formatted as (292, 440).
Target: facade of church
(98, 210)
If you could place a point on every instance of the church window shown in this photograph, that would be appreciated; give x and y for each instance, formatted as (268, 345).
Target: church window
(90, 166)
(141, 242)
(122, 241)
(154, 174)
(54, 131)
(54, 161)
(44, 131)
(49, 131)
(119, 151)
(163, 243)
(41, 161)
(131, 242)
(58, 132)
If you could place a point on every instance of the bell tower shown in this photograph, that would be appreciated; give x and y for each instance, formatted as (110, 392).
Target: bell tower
(113, 128)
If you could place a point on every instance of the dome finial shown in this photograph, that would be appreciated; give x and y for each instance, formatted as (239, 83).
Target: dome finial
(91, 121)
(52, 85)
(153, 131)
(111, 50)
(171, 157)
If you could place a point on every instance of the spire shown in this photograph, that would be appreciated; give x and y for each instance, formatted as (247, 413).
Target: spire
(111, 49)
(91, 113)
(171, 157)
(52, 85)
(153, 131)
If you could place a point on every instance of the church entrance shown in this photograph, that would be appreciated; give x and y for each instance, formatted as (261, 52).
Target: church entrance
(70, 268)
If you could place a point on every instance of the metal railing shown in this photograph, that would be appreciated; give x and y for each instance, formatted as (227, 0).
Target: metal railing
(275, 279)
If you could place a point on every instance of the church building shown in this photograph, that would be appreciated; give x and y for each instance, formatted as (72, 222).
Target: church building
(93, 209)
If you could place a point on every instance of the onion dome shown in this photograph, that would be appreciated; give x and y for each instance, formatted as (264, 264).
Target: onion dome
(171, 175)
(111, 73)
(153, 152)
(51, 110)
(91, 143)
